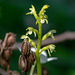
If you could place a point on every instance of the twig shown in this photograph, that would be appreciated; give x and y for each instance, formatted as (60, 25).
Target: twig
(58, 38)
(5, 41)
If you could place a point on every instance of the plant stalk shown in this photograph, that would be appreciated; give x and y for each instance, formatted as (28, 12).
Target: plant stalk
(37, 51)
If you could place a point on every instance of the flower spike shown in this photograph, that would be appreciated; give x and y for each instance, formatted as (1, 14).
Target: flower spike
(43, 17)
(43, 9)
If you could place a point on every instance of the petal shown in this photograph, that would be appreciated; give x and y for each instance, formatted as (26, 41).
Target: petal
(52, 58)
(35, 34)
(49, 52)
(42, 21)
(30, 32)
(46, 21)
(28, 13)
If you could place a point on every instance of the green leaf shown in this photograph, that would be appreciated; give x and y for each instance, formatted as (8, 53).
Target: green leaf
(50, 33)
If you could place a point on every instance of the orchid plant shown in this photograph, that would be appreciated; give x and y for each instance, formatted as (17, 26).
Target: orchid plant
(41, 18)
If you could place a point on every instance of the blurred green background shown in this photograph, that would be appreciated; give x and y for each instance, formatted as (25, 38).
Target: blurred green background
(61, 16)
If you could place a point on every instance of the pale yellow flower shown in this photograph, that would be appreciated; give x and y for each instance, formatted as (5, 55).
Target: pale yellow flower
(32, 10)
(52, 47)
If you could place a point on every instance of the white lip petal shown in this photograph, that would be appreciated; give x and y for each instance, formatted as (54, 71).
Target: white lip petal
(42, 21)
(32, 11)
(30, 32)
(44, 53)
(33, 49)
(52, 58)
(43, 59)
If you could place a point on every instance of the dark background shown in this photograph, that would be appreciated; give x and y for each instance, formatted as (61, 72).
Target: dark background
(61, 17)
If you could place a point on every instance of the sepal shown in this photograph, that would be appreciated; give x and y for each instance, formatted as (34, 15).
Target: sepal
(50, 33)
(43, 9)
(32, 30)
(50, 49)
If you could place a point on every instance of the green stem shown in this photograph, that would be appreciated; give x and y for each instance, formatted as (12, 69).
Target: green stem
(32, 69)
(37, 51)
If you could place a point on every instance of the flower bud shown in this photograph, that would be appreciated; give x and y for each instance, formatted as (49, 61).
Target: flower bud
(30, 61)
(11, 40)
(25, 48)
(34, 56)
(7, 54)
(3, 63)
(15, 73)
(29, 64)
(45, 71)
(9, 72)
(31, 58)
(22, 63)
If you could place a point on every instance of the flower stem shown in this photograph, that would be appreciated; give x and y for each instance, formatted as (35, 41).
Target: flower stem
(38, 48)
(32, 69)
